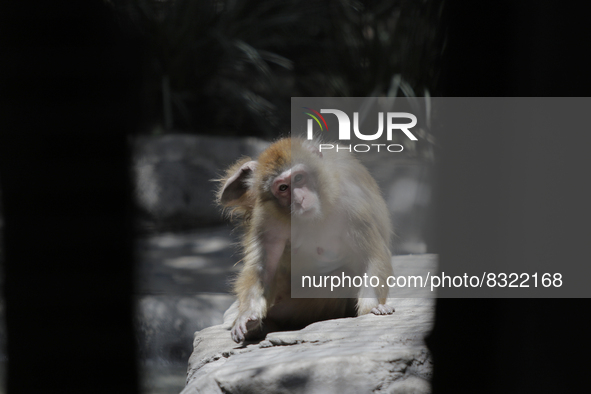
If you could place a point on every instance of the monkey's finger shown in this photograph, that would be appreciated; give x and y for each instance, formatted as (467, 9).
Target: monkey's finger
(382, 309)
(243, 328)
(239, 330)
(237, 335)
(388, 309)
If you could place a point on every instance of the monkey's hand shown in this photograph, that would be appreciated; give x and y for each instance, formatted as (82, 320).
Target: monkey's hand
(382, 309)
(372, 305)
(246, 323)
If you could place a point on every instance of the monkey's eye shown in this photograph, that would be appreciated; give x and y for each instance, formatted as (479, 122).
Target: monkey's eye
(283, 187)
(298, 178)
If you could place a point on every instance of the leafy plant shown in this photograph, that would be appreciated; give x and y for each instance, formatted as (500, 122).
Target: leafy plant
(231, 66)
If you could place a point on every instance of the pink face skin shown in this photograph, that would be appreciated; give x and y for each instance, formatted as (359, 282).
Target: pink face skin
(295, 188)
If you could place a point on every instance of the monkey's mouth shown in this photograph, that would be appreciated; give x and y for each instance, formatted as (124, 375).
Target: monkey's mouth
(299, 211)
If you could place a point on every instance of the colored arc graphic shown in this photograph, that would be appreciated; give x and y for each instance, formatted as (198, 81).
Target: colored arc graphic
(315, 118)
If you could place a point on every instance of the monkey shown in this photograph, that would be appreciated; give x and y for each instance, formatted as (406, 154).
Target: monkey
(318, 209)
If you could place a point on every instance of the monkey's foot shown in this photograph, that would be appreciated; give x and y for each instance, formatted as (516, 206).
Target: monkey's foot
(245, 324)
(382, 309)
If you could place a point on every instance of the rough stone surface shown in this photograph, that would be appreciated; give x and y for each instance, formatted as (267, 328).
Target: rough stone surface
(366, 354)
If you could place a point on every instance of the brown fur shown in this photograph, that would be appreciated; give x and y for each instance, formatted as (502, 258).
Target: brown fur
(247, 196)
(241, 208)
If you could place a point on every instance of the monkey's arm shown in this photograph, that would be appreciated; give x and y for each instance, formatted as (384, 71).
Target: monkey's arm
(274, 241)
(373, 299)
(373, 240)
(255, 285)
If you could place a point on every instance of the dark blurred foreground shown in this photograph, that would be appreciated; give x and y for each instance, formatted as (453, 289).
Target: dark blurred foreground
(513, 197)
(69, 88)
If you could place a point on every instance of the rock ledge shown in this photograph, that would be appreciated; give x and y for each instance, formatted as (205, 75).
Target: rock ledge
(367, 354)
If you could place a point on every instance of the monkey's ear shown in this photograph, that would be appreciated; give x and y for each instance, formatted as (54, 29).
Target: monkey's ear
(236, 185)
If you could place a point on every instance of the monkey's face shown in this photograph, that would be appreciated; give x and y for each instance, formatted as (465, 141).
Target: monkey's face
(296, 189)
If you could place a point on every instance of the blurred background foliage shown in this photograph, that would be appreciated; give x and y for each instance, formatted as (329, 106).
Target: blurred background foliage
(230, 67)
